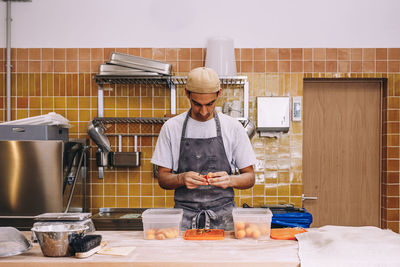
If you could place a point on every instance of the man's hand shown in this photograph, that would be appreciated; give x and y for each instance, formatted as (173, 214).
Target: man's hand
(220, 179)
(169, 180)
(192, 179)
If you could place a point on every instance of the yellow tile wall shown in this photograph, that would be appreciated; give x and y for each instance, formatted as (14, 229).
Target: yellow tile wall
(61, 80)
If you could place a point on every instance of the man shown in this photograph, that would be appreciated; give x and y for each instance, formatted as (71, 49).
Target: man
(197, 153)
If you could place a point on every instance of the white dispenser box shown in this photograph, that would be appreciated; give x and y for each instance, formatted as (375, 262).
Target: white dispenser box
(273, 113)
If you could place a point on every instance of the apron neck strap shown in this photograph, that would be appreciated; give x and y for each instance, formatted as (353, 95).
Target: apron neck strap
(216, 119)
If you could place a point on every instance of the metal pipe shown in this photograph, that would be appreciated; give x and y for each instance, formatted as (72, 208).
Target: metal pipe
(8, 64)
(76, 177)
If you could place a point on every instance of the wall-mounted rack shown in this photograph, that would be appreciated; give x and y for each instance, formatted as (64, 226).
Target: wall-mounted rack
(169, 81)
(144, 120)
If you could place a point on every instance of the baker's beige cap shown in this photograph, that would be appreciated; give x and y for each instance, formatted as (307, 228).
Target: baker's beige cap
(203, 80)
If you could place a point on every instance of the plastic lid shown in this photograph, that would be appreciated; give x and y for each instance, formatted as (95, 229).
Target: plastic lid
(166, 213)
(251, 211)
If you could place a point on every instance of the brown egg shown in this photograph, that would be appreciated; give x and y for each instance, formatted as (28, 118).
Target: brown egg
(160, 231)
(256, 234)
(151, 231)
(239, 226)
(150, 236)
(160, 237)
(240, 234)
(169, 233)
(249, 231)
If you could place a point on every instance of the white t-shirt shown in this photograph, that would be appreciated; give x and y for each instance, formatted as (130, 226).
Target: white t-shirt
(237, 145)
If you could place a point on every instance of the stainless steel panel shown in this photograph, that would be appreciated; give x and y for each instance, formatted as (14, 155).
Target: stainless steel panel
(125, 159)
(30, 177)
(76, 216)
(119, 219)
(33, 132)
(140, 63)
(108, 69)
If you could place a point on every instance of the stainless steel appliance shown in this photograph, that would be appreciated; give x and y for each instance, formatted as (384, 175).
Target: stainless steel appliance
(33, 132)
(119, 219)
(41, 176)
(31, 177)
(140, 63)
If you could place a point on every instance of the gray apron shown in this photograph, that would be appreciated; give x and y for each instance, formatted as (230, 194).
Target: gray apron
(206, 206)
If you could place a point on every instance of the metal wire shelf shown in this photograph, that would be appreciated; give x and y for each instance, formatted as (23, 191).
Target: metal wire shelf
(161, 80)
(168, 81)
(225, 80)
(115, 79)
(145, 120)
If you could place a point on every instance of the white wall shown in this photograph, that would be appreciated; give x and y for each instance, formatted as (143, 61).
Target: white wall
(188, 23)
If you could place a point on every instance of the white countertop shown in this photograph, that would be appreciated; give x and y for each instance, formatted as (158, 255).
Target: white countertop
(176, 252)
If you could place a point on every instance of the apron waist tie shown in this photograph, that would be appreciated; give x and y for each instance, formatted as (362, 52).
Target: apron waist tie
(208, 214)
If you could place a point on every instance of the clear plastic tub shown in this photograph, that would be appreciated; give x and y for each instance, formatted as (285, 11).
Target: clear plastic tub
(161, 224)
(254, 223)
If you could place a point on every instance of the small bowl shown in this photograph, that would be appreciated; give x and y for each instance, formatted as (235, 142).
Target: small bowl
(54, 239)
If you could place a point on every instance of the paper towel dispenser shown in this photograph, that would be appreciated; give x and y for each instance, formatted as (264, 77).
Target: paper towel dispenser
(273, 113)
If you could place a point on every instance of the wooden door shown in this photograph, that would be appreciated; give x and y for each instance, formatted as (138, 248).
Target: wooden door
(341, 151)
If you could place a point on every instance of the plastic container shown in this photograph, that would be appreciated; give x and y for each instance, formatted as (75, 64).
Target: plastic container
(161, 224)
(252, 223)
(220, 56)
(12, 242)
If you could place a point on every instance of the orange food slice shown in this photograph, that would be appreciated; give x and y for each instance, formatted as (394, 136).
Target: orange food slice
(286, 233)
(204, 234)
(208, 175)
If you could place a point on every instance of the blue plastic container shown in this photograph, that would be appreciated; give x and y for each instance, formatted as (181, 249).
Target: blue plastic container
(288, 216)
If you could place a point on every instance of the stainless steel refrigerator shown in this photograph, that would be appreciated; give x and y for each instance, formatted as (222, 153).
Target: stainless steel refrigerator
(40, 176)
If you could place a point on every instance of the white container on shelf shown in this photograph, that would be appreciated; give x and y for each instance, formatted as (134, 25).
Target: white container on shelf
(254, 223)
(220, 56)
(161, 224)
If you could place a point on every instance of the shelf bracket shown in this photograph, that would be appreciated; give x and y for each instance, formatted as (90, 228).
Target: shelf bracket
(172, 87)
(100, 100)
(246, 99)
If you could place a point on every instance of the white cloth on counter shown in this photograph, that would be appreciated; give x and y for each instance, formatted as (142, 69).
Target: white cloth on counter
(51, 118)
(344, 246)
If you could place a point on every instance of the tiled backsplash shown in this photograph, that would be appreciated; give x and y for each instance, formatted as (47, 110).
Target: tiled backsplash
(61, 80)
